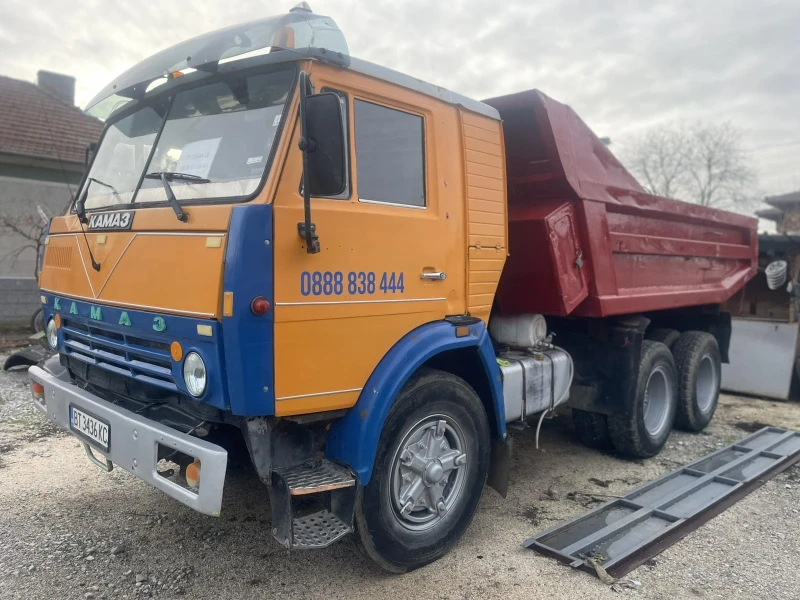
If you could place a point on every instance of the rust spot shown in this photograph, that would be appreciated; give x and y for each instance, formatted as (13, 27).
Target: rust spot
(363, 414)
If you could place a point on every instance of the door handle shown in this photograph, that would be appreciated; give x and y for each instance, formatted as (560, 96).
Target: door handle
(438, 276)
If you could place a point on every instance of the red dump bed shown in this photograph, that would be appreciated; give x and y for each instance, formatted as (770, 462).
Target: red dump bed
(586, 239)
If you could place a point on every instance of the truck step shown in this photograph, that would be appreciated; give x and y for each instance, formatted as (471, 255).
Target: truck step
(337, 490)
(315, 477)
(318, 530)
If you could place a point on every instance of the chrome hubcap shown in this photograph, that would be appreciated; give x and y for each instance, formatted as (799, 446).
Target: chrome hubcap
(657, 395)
(428, 472)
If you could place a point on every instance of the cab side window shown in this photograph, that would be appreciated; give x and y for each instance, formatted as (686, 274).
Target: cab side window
(390, 155)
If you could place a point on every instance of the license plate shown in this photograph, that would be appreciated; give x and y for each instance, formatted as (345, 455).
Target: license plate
(89, 426)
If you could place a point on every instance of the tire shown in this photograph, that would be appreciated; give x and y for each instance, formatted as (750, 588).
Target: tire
(645, 426)
(668, 337)
(384, 533)
(592, 429)
(37, 321)
(699, 365)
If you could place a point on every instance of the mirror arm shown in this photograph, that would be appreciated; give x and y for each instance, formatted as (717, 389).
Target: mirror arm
(306, 228)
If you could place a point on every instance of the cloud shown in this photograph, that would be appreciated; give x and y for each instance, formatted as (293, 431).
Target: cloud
(623, 66)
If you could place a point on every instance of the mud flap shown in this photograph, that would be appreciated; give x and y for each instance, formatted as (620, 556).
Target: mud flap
(500, 465)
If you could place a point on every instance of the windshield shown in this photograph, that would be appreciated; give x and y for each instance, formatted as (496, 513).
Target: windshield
(221, 133)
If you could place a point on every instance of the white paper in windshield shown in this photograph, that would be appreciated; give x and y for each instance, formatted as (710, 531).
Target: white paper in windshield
(197, 157)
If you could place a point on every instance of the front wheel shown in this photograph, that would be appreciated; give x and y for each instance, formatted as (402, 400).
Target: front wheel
(430, 470)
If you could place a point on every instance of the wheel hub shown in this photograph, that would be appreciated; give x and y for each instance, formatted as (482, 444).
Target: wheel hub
(428, 472)
(656, 401)
(434, 472)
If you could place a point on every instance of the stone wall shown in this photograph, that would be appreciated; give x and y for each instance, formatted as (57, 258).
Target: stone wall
(19, 198)
(19, 299)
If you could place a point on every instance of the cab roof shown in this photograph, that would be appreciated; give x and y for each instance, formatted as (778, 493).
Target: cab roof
(299, 34)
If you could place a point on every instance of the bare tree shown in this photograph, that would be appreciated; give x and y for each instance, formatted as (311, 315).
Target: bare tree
(703, 163)
(659, 158)
(28, 228)
(718, 166)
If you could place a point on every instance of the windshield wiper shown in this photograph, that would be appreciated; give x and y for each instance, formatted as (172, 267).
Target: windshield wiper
(165, 177)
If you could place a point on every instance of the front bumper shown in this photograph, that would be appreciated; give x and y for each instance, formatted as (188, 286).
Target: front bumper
(134, 442)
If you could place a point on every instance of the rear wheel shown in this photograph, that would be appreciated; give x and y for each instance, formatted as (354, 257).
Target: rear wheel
(592, 429)
(645, 426)
(668, 337)
(431, 466)
(699, 366)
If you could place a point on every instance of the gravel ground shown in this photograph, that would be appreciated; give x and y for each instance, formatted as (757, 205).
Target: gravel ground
(71, 531)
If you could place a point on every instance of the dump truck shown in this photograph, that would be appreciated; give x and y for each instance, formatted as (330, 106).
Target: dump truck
(359, 282)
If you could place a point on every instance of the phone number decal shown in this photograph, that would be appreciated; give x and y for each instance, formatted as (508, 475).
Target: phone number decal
(354, 283)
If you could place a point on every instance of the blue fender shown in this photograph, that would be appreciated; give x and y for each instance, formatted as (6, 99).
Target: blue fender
(353, 439)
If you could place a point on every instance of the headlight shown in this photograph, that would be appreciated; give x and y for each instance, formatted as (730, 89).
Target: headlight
(194, 374)
(52, 334)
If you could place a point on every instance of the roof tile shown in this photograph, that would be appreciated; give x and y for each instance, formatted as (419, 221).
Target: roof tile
(35, 123)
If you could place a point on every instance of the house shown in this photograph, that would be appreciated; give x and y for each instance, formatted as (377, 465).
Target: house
(785, 211)
(43, 137)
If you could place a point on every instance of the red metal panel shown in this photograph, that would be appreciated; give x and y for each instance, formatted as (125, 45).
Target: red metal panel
(642, 252)
(543, 277)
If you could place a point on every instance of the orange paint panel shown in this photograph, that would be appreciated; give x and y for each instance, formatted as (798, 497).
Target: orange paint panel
(486, 206)
(495, 196)
(476, 277)
(485, 171)
(492, 137)
(72, 281)
(484, 175)
(476, 288)
(480, 122)
(488, 229)
(170, 273)
(481, 146)
(493, 218)
(201, 218)
(181, 274)
(482, 158)
(330, 341)
(320, 355)
(485, 183)
(486, 241)
(314, 404)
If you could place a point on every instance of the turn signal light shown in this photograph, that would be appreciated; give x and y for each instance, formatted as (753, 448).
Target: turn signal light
(260, 306)
(193, 474)
(38, 390)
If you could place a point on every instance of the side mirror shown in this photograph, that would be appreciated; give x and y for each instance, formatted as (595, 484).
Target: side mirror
(326, 154)
(324, 150)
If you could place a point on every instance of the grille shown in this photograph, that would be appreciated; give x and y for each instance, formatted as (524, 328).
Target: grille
(58, 257)
(144, 360)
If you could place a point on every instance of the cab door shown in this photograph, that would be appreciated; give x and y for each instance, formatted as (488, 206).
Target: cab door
(388, 262)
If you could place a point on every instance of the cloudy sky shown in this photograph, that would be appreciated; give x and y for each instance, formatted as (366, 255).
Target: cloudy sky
(623, 65)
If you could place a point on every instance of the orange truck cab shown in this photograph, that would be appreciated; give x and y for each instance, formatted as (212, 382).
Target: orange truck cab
(283, 251)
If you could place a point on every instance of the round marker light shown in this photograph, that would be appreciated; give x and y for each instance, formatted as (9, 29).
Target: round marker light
(260, 306)
(176, 351)
(51, 331)
(194, 374)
